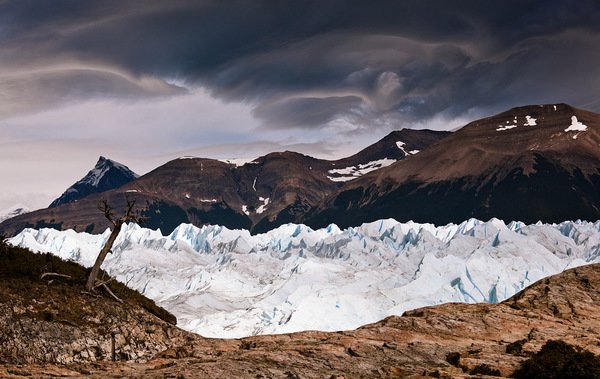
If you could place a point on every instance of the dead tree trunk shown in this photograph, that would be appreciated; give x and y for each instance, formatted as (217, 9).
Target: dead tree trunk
(128, 215)
(91, 282)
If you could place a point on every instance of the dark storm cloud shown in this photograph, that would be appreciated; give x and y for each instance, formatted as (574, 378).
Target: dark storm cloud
(307, 63)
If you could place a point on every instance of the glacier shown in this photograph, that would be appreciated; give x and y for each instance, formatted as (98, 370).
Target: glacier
(229, 284)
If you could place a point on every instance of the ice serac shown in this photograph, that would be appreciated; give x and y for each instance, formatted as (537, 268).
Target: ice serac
(106, 175)
(229, 283)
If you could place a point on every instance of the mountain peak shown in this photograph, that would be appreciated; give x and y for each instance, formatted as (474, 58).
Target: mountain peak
(14, 211)
(106, 175)
(397, 145)
(536, 162)
(546, 127)
(101, 169)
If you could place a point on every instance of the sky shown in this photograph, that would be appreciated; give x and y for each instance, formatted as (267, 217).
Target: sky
(143, 82)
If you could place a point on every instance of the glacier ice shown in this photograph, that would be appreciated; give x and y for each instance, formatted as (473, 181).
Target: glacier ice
(229, 283)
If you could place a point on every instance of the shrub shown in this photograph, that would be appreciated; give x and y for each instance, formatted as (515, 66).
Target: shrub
(515, 348)
(453, 358)
(558, 360)
(484, 370)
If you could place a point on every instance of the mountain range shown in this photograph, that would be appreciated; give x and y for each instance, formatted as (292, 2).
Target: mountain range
(530, 163)
(254, 194)
(539, 162)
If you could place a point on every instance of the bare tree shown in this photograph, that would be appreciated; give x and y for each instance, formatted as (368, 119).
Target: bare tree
(128, 216)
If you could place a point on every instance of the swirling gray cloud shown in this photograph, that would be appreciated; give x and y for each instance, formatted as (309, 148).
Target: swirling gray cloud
(305, 64)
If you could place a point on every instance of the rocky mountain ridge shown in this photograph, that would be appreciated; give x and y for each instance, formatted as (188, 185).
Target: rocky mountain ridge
(529, 163)
(258, 194)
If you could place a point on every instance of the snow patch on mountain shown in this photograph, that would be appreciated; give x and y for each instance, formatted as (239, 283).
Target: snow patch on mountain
(229, 283)
(263, 207)
(530, 121)
(238, 162)
(260, 209)
(576, 126)
(401, 145)
(353, 172)
(507, 127)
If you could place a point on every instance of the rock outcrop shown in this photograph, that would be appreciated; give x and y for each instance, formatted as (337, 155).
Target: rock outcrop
(50, 319)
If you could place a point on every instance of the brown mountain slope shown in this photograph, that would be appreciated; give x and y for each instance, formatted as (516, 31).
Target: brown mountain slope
(525, 164)
(448, 341)
(259, 195)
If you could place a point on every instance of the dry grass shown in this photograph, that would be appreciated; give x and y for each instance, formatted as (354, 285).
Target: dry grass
(61, 299)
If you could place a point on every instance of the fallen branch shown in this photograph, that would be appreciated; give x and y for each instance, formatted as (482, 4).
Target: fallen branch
(103, 283)
(90, 294)
(111, 293)
(54, 274)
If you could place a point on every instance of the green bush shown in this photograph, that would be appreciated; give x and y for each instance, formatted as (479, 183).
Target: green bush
(484, 370)
(559, 360)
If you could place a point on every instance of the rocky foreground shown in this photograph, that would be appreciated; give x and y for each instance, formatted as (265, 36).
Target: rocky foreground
(42, 336)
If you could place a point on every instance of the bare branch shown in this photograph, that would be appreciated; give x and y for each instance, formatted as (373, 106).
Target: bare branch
(54, 274)
(129, 215)
(103, 283)
(90, 294)
(105, 208)
(111, 293)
